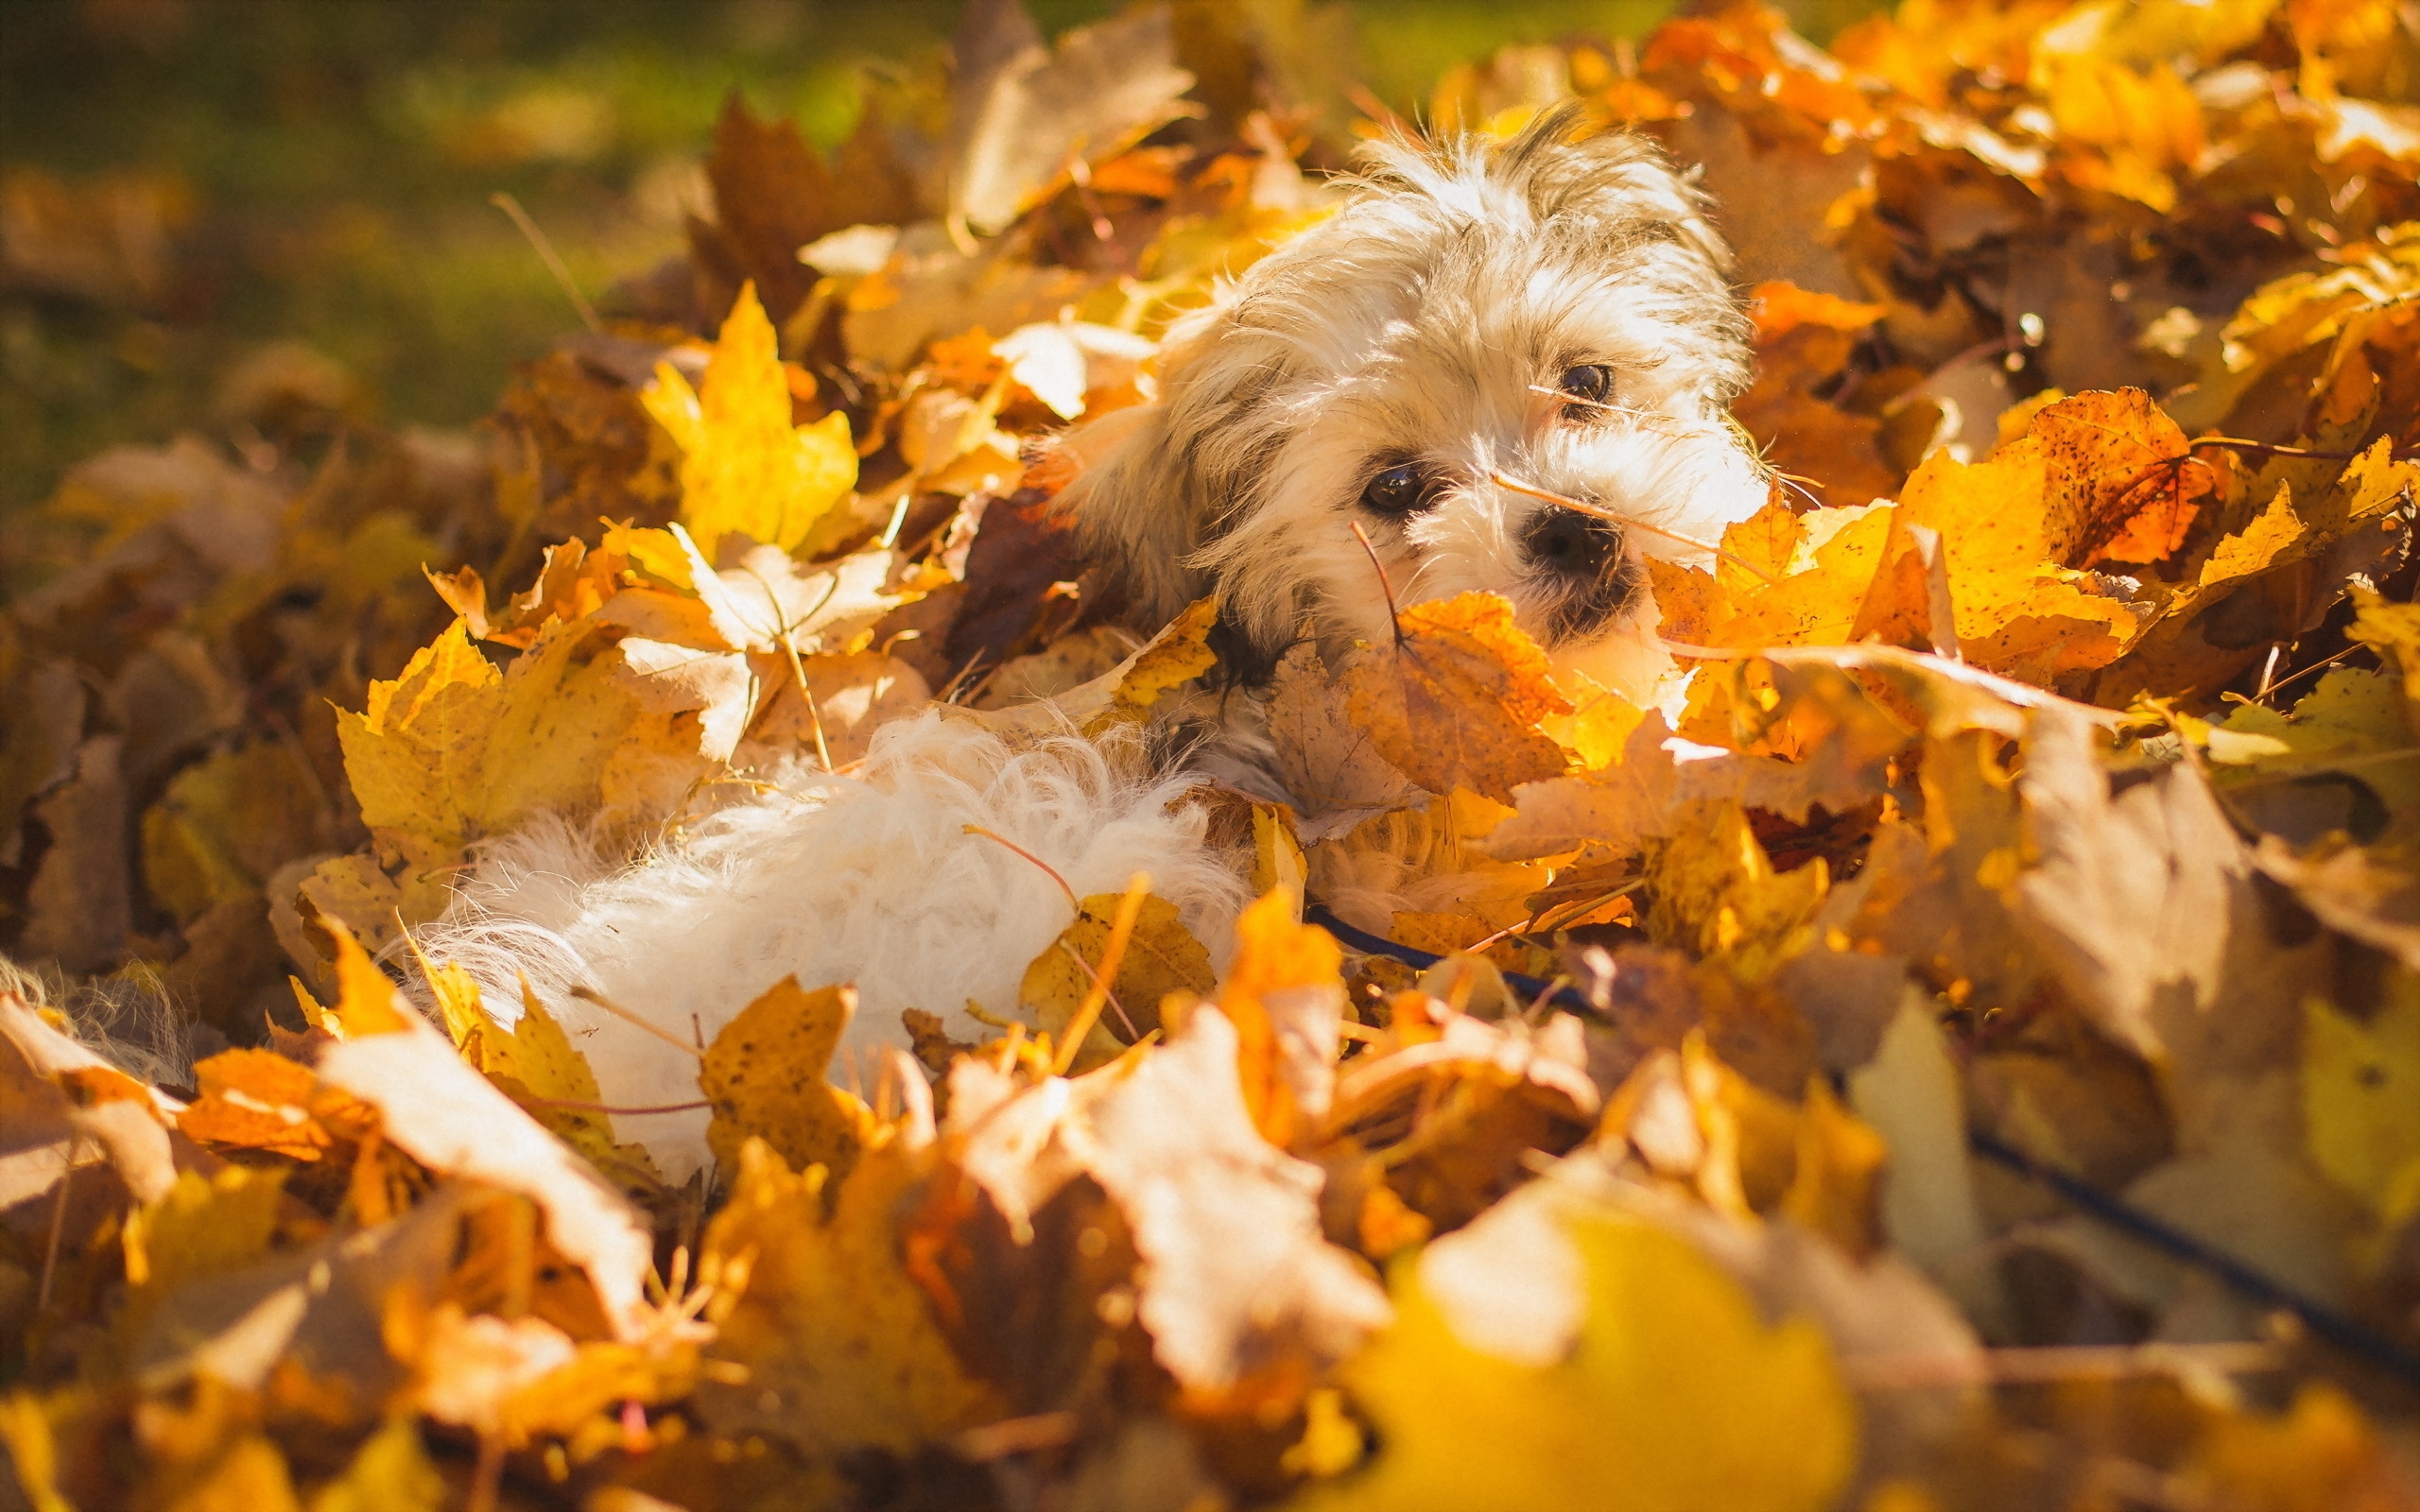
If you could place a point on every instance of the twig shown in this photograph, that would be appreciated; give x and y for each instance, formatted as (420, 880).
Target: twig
(1394, 615)
(1133, 1034)
(1111, 956)
(57, 1222)
(1596, 511)
(1080, 175)
(2320, 666)
(1560, 913)
(1053, 871)
(597, 999)
(1367, 103)
(1015, 1435)
(487, 1474)
(554, 263)
(575, 1106)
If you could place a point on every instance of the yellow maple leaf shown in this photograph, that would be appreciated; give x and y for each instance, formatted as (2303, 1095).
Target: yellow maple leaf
(1175, 657)
(1674, 1397)
(2018, 609)
(764, 1073)
(201, 1226)
(1716, 891)
(744, 468)
(535, 1064)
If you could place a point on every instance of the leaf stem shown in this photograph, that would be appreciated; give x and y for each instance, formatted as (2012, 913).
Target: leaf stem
(1394, 614)
(1111, 956)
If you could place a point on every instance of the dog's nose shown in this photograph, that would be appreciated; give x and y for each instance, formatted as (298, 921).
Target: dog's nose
(1576, 546)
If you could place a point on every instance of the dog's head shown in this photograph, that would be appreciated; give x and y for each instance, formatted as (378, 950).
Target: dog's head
(1553, 312)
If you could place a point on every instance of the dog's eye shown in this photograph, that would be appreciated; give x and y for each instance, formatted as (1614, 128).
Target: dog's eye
(1590, 382)
(1400, 490)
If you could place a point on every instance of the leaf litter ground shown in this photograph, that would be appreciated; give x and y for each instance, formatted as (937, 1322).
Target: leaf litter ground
(1982, 1020)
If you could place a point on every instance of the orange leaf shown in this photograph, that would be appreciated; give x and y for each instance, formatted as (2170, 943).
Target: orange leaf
(1456, 701)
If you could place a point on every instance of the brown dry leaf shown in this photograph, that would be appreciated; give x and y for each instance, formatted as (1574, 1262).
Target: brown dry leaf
(1455, 701)
(1328, 762)
(841, 1347)
(2124, 486)
(1124, 695)
(78, 907)
(764, 1077)
(773, 196)
(853, 696)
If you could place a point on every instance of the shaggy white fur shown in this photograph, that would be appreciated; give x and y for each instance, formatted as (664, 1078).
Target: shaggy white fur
(871, 879)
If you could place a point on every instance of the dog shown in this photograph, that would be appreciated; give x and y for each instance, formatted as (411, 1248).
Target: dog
(1506, 364)
(1510, 366)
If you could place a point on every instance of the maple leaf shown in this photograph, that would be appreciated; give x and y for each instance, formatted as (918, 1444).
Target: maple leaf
(2018, 609)
(745, 469)
(1283, 995)
(2360, 1083)
(254, 1099)
(1456, 700)
(451, 1119)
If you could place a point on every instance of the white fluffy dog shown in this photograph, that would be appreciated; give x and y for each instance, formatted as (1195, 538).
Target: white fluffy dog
(1508, 363)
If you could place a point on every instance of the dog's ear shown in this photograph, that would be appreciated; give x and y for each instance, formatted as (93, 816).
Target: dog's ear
(1155, 484)
(1134, 505)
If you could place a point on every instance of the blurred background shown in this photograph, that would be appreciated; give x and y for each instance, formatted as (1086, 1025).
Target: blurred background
(199, 197)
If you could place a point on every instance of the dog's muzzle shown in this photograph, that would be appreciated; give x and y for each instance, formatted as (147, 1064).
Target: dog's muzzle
(1585, 577)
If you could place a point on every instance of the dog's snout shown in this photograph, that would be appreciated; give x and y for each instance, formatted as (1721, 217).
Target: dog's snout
(1575, 544)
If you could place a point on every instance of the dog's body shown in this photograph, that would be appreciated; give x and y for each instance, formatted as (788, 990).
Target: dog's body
(1506, 364)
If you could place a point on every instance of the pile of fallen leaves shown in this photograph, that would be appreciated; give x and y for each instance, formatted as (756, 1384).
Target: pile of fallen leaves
(1961, 1051)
